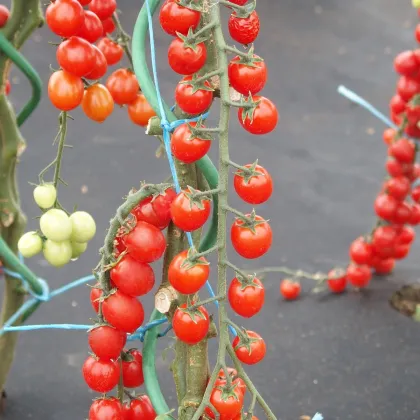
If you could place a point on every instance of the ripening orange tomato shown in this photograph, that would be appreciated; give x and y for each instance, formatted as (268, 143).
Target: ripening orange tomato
(140, 111)
(65, 90)
(97, 103)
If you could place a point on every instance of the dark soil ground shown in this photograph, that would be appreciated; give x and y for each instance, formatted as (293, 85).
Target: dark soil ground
(350, 356)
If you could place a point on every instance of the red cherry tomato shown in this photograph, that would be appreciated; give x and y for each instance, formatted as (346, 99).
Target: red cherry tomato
(132, 277)
(398, 187)
(76, 56)
(236, 381)
(403, 150)
(402, 214)
(227, 407)
(176, 18)
(140, 408)
(97, 103)
(385, 206)
(104, 9)
(405, 235)
(108, 26)
(101, 375)
(415, 214)
(145, 242)
(252, 351)
(337, 280)
(246, 297)
(106, 408)
(187, 214)
(358, 275)
(132, 371)
(401, 251)
(123, 312)
(101, 65)
(244, 30)
(140, 111)
(361, 251)
(4, 15)
(407, 87)
(191, 327)
(406, 64)
(106, 342)
(65, 90)
(389, 136)
(384, 266)
(191, 102)
(187, 279)
(186, 147)
(253, 188)
(289, 289)
(186, 59)
(7, 88)
(111, 50)
(397, 105)
(263, 119)
(251, 243)
(123, 86)
(65, 17)
(247, 77)
(95, 294)
(92, 28)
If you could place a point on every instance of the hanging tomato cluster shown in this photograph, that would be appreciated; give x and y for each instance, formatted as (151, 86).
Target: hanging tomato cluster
(121, 313)
(83, 64)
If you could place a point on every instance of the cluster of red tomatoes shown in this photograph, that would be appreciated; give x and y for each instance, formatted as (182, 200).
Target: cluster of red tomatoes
(131, 277)
(81, 61)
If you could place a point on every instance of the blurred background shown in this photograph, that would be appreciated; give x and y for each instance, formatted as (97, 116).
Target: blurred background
(350, 356)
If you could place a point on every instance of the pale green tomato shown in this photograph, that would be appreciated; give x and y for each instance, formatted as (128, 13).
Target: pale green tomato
(416, 3)
(84, 227)
(78, 249)
(56, 225)
(45, 195)
(57, 253)
(30, 244)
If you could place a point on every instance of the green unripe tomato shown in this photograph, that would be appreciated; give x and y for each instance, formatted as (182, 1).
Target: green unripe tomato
(416, 3)
(56, 225)
(57, 253)
(83, 227)
(77, 249)
(30, 244)
(45, 195)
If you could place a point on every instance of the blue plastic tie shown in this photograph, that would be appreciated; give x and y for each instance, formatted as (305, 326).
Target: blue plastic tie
(168, 128)
(318, 416)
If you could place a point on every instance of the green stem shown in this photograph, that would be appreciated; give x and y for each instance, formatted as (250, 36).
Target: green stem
(123, 38)
(292, 273)
(61, 144)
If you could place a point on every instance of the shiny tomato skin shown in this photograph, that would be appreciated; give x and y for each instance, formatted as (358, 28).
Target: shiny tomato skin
(140, 408)
(76, 56)
(403, 150)
(140, 111)
(101, 375)
(264, 118)
(104, 9)
(385, 206)
(123, 86)
(360, 251)
(395, 168)
(92, 27)
(415, 214)
(337, 281)
(193, 103)
(186, 60)
(402, 214)
(97, 103)
(64, 17)
(191, 330)
(227, 408)
(95, 294)
(106, 342)
(123, 312)
(132, 371)
(405, 235)
(187, 215)
(101, 65)
(175, 18)
(249, 244)
(384, 236)
(247, 78)
(244, 30)
(257, 189)
(4, 15)
(145, 243)
(389, 136)
(186, 149)
(112, 51)
(406, 64)
(289, 289)
(358, 275)
(132, 277)
(184, 280)
(256, 351)
(397, 105)
(383, 267)
(106, 408)
(407, 87)
(401, 251)
(108, 26)
(65, 90)
(398, 187)
(246, 300)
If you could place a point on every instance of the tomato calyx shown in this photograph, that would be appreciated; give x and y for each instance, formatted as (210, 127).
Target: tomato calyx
(244, 11)
(245, 340)
(197, 84)
(126, 355)
(193, 310)
(249, 281)
(248, 59)
(250, 221)
(191, 40)
(248, 172)
(248, 106)
(228, 391)
(193, 259)
(191, 4)
(198, 131)
(196, 197)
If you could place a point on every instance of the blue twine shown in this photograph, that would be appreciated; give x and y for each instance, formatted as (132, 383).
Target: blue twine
(354, 97)
(318, 416)
(168, 128)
